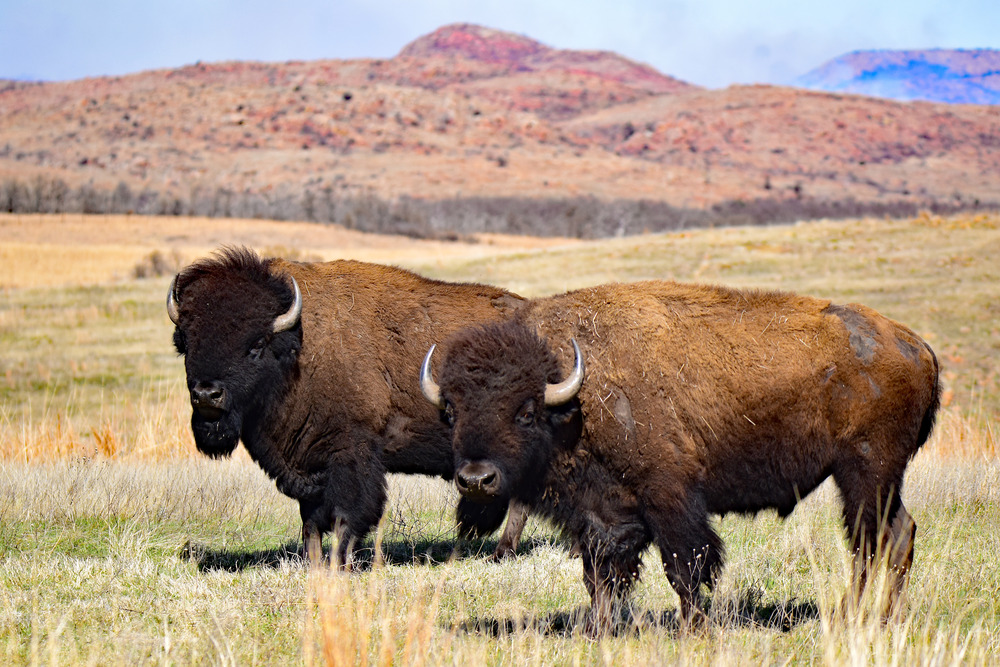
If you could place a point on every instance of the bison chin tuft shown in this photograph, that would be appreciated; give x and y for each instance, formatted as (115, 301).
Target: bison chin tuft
(216, 438)
(476, 519)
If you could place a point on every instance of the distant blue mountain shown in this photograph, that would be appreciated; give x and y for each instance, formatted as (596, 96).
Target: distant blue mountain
(956, 76)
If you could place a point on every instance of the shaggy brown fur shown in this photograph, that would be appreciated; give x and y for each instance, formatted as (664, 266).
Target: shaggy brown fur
(697, 400)
(329, 406)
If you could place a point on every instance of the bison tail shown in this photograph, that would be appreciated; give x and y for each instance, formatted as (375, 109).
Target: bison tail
(930, 414)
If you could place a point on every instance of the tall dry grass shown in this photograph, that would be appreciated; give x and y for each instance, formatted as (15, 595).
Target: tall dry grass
(153, 428)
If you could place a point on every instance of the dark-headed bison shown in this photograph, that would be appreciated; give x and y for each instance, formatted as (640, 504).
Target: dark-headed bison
(695, 400)
(314, 367)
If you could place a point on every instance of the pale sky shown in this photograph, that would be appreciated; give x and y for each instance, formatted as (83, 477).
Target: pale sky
(712, 43)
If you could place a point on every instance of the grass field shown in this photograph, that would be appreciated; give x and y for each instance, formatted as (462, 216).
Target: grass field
(119, 544)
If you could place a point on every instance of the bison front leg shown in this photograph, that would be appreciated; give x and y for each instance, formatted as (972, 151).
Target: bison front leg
(345, 542)
(612, 558)
(517, 516)
(608, 581)
(312, 542)
(603, 598)
(692, 556)
(686, 582)
(478, 519)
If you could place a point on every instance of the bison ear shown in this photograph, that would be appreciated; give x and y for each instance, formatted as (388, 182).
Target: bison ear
(180, 344)
(567, 423)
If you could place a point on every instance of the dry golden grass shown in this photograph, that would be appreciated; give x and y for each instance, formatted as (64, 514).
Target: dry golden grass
(49, 250)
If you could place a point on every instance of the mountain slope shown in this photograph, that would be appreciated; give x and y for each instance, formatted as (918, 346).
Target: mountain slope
(472, 112)
(936, 75)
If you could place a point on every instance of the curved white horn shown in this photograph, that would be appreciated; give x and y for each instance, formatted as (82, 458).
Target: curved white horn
(563, 392)
(291, 318)
(172, 310)
(432, 392)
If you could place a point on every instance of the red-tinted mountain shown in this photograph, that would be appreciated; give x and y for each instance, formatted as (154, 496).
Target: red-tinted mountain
(523, 54)
(465, 40)
(468, 111)
(956, 76)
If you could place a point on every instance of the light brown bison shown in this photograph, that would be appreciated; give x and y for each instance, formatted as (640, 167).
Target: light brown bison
(314, 367)
(695, 400)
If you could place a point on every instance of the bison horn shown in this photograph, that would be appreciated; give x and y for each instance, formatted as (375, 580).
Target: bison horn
(172, 309)
(558, 394)
(291, 318)
(432, 392)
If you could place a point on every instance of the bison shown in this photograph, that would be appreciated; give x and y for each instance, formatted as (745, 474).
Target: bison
(696, 400)
(314, 367)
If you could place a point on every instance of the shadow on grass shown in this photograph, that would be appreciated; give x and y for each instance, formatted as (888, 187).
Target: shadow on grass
(210, 559)
(747, 612)
(432, 551)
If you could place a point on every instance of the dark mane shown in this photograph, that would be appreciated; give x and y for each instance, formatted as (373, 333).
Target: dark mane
(481, 356)
(236, 262)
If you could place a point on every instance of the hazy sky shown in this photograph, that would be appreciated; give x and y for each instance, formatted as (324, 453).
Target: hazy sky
(708, 42)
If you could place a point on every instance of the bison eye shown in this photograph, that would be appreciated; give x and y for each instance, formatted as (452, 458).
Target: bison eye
(449, 413)
(257, 351)
(526, 415)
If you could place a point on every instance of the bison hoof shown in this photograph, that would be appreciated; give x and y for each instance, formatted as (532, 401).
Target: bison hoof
(695, 621)
(503, 552)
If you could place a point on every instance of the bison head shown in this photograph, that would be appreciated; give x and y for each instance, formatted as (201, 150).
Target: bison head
(238, 327)
(501, 393)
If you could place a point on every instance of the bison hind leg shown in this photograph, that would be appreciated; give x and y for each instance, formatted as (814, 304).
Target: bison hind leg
(880, 532)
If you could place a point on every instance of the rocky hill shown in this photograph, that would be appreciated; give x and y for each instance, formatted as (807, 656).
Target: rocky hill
(469, 112)
(955, 76)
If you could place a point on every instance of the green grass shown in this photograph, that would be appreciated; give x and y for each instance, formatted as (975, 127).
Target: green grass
(119, 545)
(193, 561)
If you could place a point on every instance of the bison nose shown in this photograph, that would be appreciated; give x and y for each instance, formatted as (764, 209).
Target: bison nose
(209, 399)
(478, 481)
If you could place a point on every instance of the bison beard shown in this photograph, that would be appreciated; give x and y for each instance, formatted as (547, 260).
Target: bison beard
(216, 438)
(697, 401)
(309, 365)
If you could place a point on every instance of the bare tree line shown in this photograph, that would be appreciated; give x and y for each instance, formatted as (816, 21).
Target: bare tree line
(577, 217)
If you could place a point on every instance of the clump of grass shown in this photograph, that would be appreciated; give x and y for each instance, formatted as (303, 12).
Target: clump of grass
(289, 253)
(159, 263)
(151, 429)
(366, 622)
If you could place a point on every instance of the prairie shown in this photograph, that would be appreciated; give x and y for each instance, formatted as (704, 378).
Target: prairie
(120, 544)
